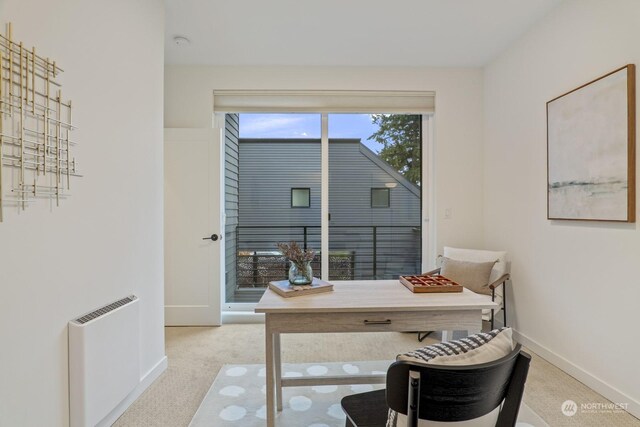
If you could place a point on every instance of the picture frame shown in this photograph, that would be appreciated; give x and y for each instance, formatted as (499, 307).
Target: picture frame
(591, 150)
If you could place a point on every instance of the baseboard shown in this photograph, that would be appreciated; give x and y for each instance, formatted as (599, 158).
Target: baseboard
(241, 317)
(590, 380)
(144, 383)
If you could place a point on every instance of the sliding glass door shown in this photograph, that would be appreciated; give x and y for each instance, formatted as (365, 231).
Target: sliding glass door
(374, 195)
(276, 168)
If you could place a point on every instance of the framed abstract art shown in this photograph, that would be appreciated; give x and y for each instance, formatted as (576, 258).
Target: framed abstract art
(591, 150)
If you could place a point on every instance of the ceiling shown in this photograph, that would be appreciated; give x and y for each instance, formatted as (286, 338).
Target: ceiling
(435, 33)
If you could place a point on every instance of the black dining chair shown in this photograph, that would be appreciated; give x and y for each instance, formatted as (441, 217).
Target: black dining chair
(444, 393)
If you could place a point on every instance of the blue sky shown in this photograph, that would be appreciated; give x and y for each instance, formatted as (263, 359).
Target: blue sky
(308, 126)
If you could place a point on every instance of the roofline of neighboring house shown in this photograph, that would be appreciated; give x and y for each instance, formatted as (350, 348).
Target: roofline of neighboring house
(363, 149)
(299, 140)
(391, 171)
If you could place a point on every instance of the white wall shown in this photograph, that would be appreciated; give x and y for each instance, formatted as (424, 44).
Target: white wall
(458, 128)
(106, 241)
(575, 283)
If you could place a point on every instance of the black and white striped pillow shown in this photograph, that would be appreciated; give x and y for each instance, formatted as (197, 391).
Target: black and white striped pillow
(472, 350)
(456, 348)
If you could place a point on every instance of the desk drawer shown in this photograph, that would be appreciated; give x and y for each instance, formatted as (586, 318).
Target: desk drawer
(375, 321)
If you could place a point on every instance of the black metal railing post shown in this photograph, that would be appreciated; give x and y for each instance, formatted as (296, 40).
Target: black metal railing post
(305, 237)
(237, 249)
(255, 268)
(375, 252)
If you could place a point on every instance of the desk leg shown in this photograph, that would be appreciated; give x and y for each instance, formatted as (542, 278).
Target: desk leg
(270, 378)
(478, 327)
(446, 335)
(278, 371)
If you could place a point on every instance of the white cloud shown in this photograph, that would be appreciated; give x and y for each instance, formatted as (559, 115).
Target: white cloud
(280, 125)
(262, 124)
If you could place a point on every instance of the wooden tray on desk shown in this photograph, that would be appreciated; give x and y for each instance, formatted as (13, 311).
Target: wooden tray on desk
(430, 284)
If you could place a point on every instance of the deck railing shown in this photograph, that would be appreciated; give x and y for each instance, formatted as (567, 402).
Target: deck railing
(355, 252)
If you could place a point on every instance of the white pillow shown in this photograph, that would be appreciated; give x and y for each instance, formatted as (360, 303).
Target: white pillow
(473, 350)
(475, 255)
(472, 275)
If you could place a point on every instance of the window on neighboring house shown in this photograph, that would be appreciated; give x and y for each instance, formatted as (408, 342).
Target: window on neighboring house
(300, 197)
(380, 197)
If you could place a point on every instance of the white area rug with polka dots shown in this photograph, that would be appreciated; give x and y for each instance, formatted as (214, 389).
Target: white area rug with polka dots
(237, 397)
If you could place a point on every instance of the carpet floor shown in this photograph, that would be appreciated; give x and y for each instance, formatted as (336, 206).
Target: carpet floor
(237, 397)
(196, 355)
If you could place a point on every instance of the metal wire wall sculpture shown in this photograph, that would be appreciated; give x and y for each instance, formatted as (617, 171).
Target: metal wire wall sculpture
(35, 128)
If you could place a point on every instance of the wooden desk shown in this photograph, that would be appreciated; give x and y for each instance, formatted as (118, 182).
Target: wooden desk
(359, 306)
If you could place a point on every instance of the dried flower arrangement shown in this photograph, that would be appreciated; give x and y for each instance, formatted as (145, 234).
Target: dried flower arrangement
(295, 254)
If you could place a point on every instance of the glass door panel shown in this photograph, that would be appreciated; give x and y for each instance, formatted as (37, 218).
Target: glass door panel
(272, 195)
(374, 196)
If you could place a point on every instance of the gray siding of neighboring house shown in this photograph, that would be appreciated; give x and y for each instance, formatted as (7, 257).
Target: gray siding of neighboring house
(353, 172)
(231, 174)
(269, 171)
(270, 168)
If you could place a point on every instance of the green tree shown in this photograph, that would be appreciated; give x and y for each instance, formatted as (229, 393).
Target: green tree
(400, 136)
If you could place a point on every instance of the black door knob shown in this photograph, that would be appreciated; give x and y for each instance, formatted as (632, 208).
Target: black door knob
(213, 237)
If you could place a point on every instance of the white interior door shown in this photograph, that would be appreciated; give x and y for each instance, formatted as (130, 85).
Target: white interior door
(193, 226)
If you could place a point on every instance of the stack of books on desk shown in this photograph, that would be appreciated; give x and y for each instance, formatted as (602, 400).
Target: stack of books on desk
(286, 289)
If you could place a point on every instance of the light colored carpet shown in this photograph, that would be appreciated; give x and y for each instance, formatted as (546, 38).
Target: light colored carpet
(237, 397)
(196, 355)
